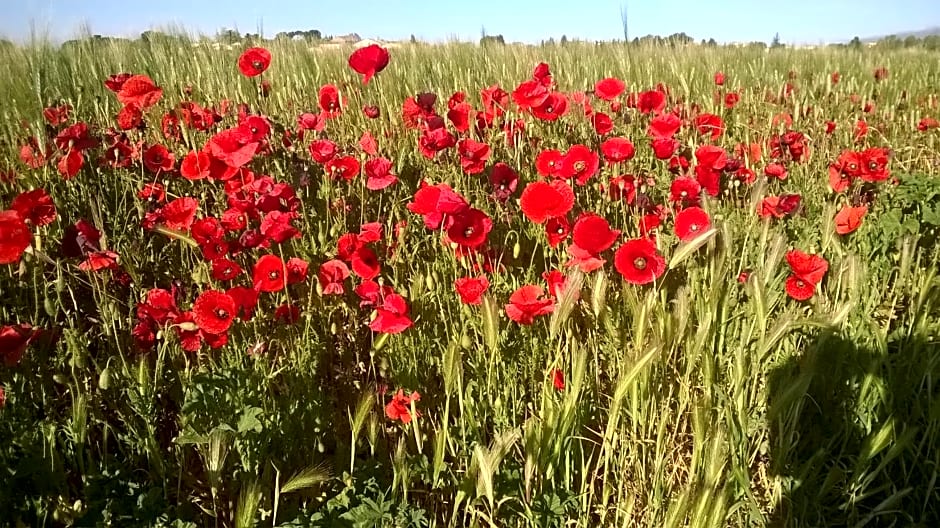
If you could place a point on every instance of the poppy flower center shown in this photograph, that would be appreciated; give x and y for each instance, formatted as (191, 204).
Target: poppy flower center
(683, 194)
(873, 166)
(579, 166)
(256, 64)
(221, 314)
(853, 167)
(254, 130)
(560, 231)
(639, 263)
(158, 158)
(693, 228)
(549, 109)
(468, 232)
(800, 283)
(274, 275)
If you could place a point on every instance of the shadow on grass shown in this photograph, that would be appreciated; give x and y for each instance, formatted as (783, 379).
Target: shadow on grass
(855, 434)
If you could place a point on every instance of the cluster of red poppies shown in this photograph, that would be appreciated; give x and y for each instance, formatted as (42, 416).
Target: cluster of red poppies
(260, 213)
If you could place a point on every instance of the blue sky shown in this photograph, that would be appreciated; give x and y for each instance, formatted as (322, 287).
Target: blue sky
(797, 21)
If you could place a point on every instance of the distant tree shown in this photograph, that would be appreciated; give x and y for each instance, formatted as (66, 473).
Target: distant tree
(228, 36)
(775, 43)
(564, 39)
(712, 43)
(911, 41)
(492, 39)
(855, 43)
(413, 39)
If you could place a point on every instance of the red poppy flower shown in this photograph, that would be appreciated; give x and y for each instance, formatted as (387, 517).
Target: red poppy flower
(710, 125)
(553, 107)
(881, 73)
(580, 163)
(849, 218)
(664, 125)
(14, 339)
(799, 289)
(391, 316)
(158, 307)
(503, 180)
(617, 149)
(99, 260)
(778, 206)
(664, 147)
(331, 275)
(225, 270)
(609, 89)
(927, 123)
(14, 237)
(527, 303)
(810, 268)
(529, 94)
(556, 282)
(379, 174)
(469, 228)
(79, 238)
(400, 407)
(35, 206)
(776, 170)
(685, 191)
(139, 90)
(276, 226)
(180, 213)
(548, 163)
(343, 168)
(602, 123)
(473, 155)
(875, 164)
(246, 299)
(157, 158)
(651, 101)
(329, 101)
(435, 201)
(268, 274)
(639, 262)
(558, 379)
(471, 289)
(556, 230)
(460, 117)
(593, 234)
(732, 99)
(542, 73)
(214, 311)
(195, 166)
(257, 126)
(691, 222)
(369, 61)
(115, 81)
(365, 263)
(542, 200)
(254, 61)
(130, 117)
(719, 78)
(234, 147)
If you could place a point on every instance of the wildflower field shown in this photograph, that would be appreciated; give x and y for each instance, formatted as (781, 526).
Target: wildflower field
(580, 285)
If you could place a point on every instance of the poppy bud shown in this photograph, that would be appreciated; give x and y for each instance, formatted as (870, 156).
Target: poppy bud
(516, 249)
(104, 379)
